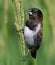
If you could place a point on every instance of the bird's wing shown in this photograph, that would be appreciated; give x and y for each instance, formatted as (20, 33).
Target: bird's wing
(38, 39)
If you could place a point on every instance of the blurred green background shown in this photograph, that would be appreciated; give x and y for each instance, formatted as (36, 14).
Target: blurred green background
(10, 52)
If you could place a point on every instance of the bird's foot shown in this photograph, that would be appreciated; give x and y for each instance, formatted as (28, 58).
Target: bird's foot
(24, 58)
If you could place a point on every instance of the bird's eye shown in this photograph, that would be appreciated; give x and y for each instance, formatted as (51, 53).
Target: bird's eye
(35, 12)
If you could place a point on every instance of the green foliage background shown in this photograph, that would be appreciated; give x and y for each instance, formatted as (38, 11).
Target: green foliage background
(10, 51)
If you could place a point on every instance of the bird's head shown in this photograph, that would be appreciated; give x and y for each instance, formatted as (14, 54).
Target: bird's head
(35, 13)
(35, 17)
(32, 10)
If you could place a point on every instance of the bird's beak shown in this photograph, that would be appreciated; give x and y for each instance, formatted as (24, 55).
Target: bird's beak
(30, 13)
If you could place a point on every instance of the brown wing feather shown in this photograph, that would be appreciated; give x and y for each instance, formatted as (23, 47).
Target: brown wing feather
(38, 39)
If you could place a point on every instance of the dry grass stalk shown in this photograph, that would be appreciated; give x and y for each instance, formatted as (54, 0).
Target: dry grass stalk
(19, 22)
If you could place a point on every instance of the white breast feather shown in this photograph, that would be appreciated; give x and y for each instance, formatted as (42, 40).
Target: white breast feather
(29, 34)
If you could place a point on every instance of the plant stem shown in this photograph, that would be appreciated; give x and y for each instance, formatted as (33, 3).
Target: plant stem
(19, 22)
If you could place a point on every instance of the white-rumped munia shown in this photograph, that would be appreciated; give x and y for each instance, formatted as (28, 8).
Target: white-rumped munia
(33, 31)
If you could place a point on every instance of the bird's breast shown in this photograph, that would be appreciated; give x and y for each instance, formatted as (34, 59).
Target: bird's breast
(27, 31)
(28, 35)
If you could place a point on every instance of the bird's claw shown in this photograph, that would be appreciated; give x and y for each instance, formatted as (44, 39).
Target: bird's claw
(23, 58)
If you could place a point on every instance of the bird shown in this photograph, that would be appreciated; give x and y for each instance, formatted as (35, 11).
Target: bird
(33, 31)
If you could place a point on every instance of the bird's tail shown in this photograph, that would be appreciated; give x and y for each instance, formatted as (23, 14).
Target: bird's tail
(33, 53)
